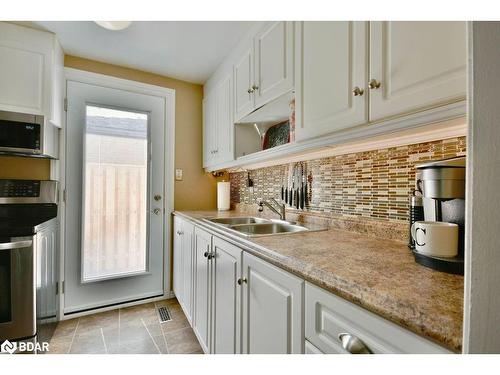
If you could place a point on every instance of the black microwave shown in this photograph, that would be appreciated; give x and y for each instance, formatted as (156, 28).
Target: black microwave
(21, 133)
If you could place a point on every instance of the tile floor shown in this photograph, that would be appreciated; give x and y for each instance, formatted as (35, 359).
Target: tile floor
(130, 330)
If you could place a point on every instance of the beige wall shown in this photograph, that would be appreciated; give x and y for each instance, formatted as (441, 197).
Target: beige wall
(198, 189)
(24, 168)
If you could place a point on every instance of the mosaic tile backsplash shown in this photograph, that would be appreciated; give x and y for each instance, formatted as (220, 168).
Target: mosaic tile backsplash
(372, 184)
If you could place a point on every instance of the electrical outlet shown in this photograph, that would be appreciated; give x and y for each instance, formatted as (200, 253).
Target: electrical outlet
(178, 175)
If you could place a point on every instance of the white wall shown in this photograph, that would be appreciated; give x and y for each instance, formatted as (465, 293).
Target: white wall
(482, 281)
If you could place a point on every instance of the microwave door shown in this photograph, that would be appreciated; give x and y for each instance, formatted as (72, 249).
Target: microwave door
(20, 133)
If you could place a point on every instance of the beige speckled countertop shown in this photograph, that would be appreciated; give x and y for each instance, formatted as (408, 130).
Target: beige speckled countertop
(377, 274)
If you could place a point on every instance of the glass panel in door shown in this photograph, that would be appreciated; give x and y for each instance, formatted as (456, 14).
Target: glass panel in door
(115, 193)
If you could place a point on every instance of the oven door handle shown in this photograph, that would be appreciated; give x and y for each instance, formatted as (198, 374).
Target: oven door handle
(15, 245)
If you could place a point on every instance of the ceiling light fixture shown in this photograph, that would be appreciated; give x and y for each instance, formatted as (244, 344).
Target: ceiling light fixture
(114, 25)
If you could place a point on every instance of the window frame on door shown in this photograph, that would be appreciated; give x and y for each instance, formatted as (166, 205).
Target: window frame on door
(58, 166)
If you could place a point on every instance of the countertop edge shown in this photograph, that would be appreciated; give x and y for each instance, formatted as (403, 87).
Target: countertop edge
(283, 262)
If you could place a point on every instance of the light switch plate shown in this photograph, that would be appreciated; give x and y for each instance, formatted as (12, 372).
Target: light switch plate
(178, 175)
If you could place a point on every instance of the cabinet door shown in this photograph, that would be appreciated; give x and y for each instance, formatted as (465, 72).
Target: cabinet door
(25, 69)
(57, 85)
(274, 72)
(201, 326)
(178, 260)
(243, 82)
(187, 268)
(331, 62)
(272, 309)
(209, 129)
(226, 298)
(418, 65)
(224, 122)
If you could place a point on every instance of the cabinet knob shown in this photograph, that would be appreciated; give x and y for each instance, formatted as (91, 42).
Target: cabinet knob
(250, 90)
(373, 84)
(353, 344)
(255, 87)
(157, 211)
(157, 197)
(205, 254)
(241, 281)
(357, 91)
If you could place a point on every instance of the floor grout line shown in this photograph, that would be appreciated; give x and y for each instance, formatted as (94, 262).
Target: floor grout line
(151, 336)
(104, 341)
(74, 334)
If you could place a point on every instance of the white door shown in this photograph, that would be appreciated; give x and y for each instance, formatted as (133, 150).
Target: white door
(227, 298)
(224, 121)
(114, 191)
(332, 61)
(273, 62)
(201, 326)
(418, 65)
(243, 83)
(272, 309)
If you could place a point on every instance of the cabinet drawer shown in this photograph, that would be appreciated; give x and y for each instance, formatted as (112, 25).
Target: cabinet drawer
(327, 316)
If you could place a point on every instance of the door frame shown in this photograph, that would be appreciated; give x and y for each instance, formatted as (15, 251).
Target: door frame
(168, 95)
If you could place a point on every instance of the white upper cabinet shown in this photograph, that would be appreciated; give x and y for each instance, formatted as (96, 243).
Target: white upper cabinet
(209, 130)
(265, 70)
(417, 64)
(218, 124)
(274, 72)
(243, 82)
(224, 129)
(31, 68)
(331, 77)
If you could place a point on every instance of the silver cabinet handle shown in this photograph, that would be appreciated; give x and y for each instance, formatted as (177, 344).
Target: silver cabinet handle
(15, 245)
(353, 344)
(241, 281)
(250, 90)
(157, 211)
(255, 87)
(157, 197)
(373, 84)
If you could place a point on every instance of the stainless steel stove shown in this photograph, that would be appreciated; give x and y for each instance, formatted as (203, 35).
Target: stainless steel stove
(28, 259)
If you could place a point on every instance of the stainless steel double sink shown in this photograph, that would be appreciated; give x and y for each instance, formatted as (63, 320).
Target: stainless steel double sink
(257, 227)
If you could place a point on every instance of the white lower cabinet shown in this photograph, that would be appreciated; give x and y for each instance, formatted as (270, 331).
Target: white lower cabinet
(226, 297)
(202, 290)
(240, 303)
(334, 325)
(272, 309)
(183, 265)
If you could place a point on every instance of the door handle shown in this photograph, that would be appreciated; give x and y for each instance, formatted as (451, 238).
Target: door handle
(15, 245)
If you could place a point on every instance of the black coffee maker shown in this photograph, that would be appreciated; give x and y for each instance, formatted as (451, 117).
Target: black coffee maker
(441, 185)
